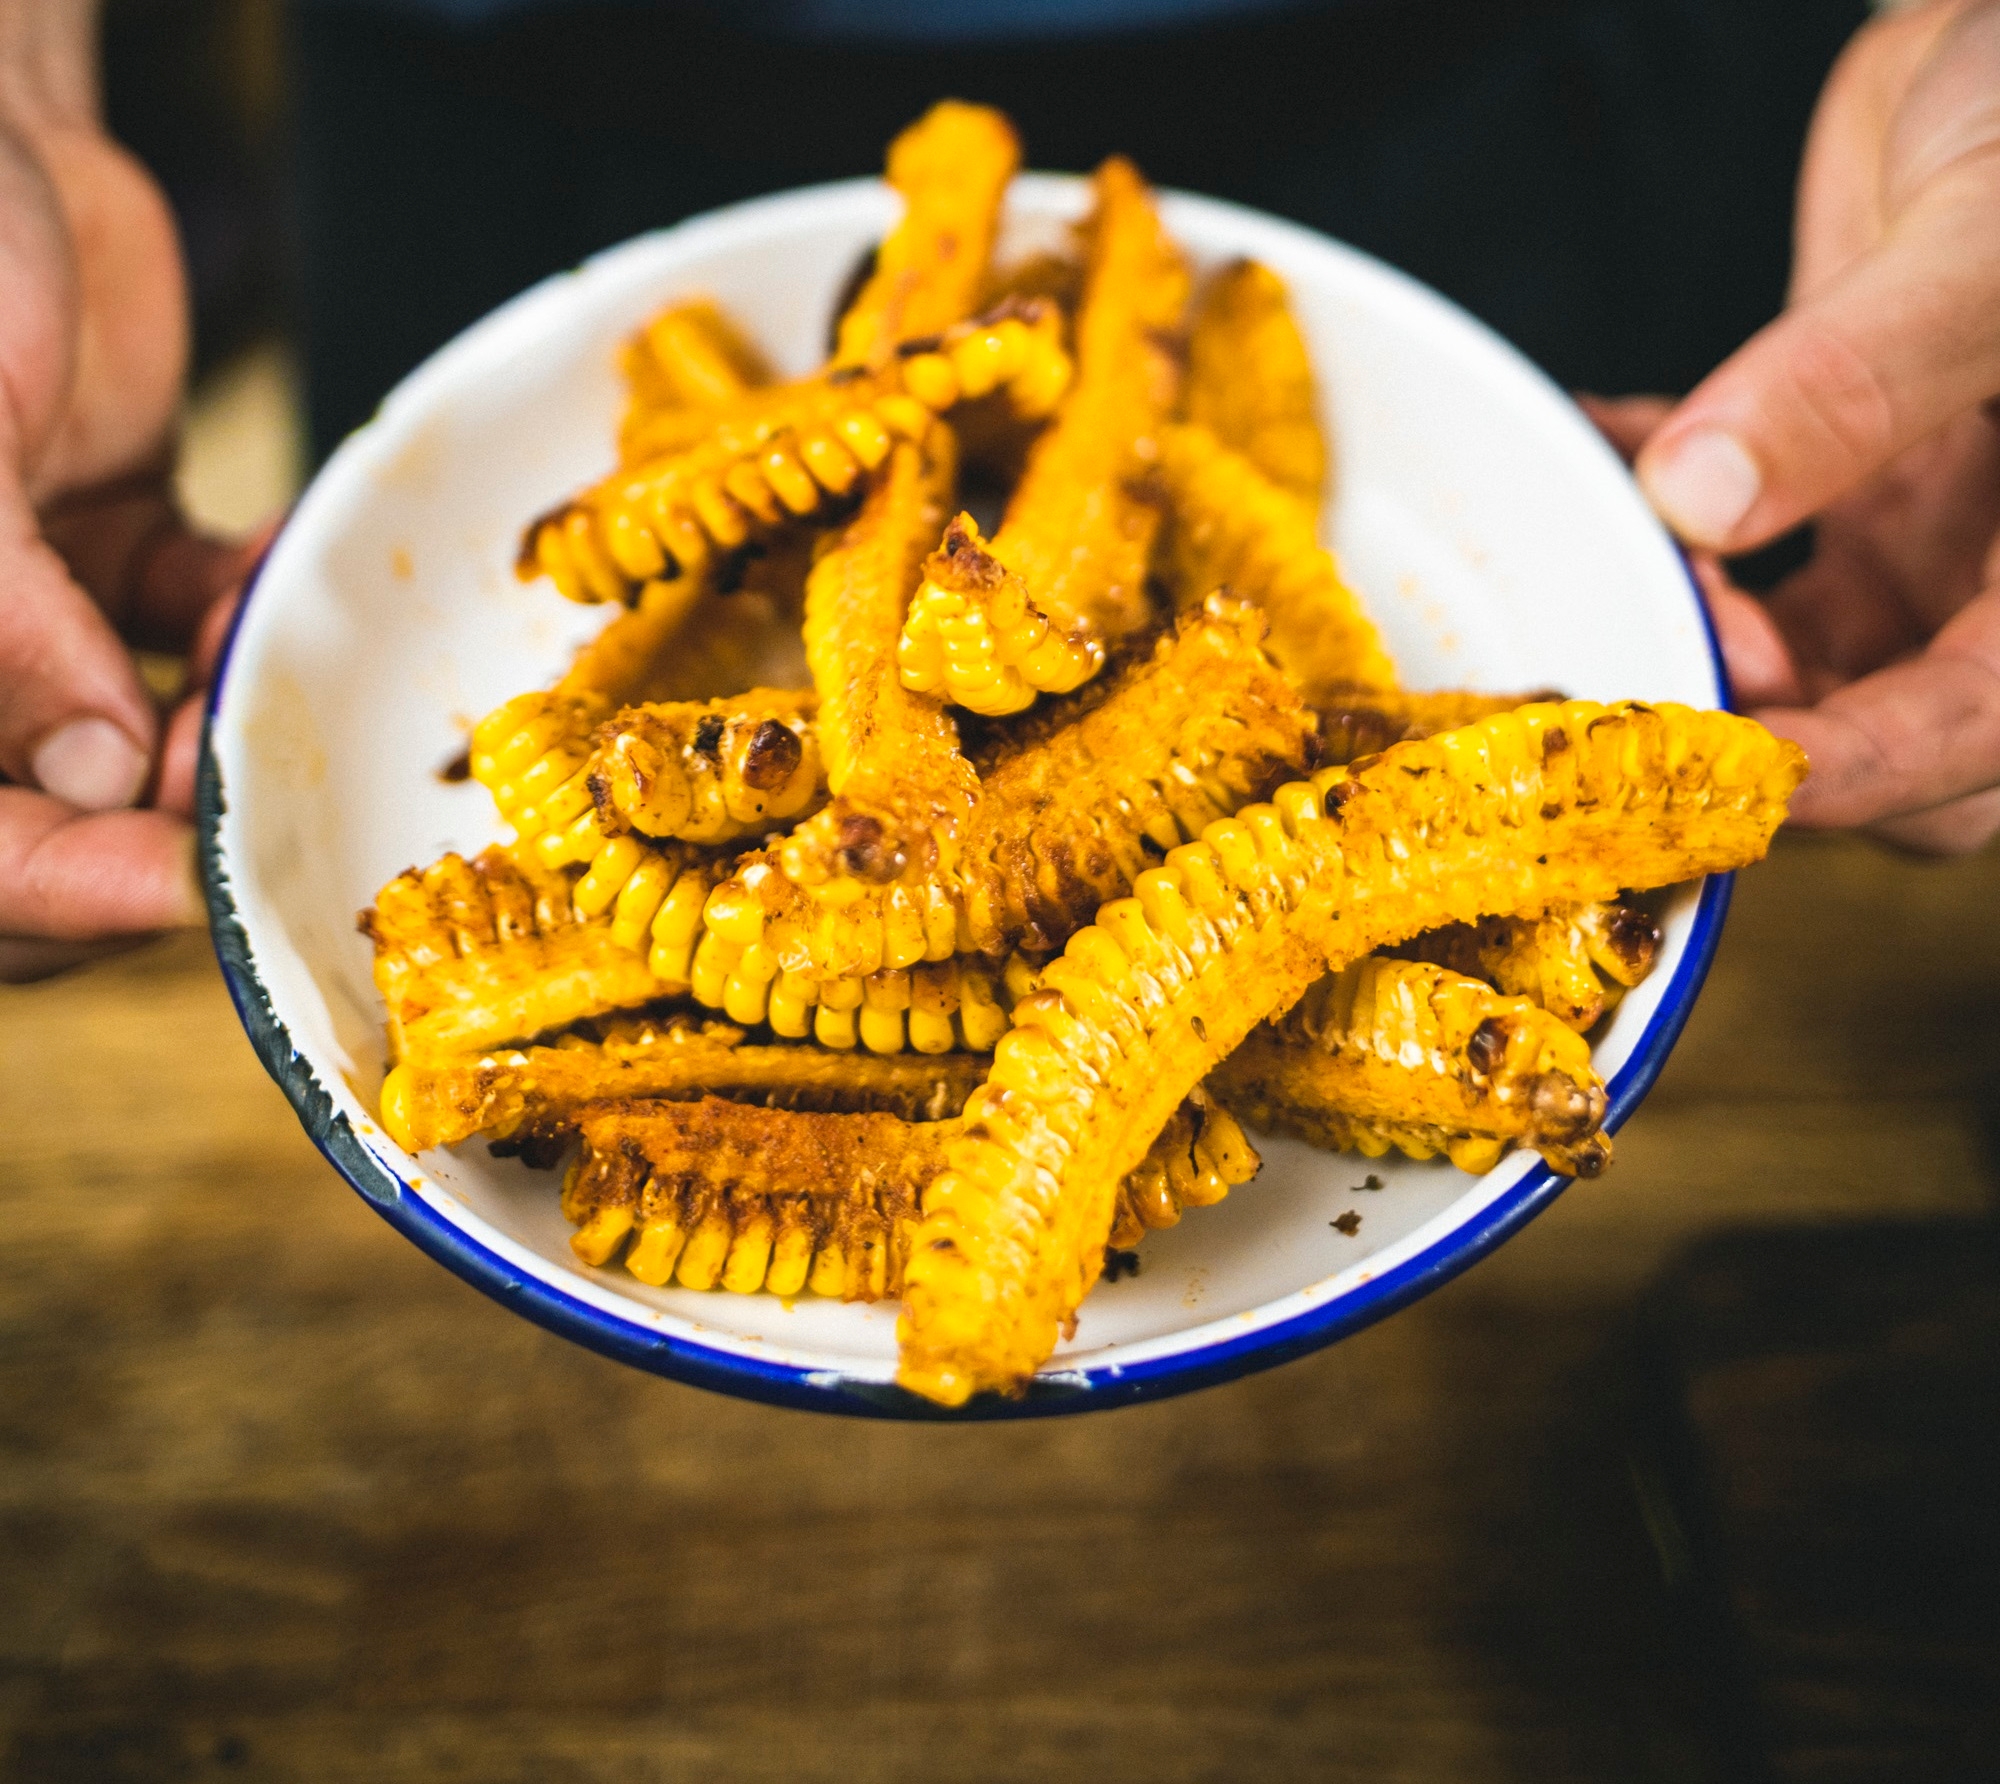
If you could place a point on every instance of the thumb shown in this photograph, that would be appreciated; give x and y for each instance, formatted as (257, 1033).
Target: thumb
(1906, 337)
(74, 719)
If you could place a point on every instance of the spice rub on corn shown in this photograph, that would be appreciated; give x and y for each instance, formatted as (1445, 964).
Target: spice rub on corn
(994, 625)
(539, 1092)
(1561, 802)
(1187, 732)
(1233, 527)
(1401, 1055)
(712, 1195)
(1250, 380)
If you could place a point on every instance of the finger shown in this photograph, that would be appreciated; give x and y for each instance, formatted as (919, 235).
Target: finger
(1626, 421)
(73, 876)
(131, 547)
(1961, 828)
(1761, 669)
(1900, 340)
(74, 719)
(1908, 738)
(179, 753)
(24, 959)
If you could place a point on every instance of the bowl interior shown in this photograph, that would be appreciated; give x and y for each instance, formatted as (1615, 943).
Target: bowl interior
(1497, 541)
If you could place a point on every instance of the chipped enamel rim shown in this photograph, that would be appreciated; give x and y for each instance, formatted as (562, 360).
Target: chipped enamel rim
(1201, 1356)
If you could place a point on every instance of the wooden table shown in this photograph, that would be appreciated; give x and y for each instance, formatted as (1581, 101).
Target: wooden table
(280, 1499)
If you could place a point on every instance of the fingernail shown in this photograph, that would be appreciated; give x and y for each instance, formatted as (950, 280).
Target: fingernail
(1702, 484)
(91, 764)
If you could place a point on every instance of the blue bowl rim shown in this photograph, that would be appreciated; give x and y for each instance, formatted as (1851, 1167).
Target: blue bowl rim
(1051, 1393)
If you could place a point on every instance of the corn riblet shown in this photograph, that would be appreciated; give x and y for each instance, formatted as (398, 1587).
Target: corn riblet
(1234, 527)
(951, 169)
(538, 1091)
(1250, 380)
(1567, 802)
(1199, 1157)
(708, 1194)
(1185, 733)
(994, 625)
(1361, 721)
(476, 953)
(1402, 1055)
(1575, 961)
(707, 770)
(902, 788)
(686, 363)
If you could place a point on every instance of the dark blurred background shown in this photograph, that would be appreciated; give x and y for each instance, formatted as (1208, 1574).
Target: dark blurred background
(1608, 182)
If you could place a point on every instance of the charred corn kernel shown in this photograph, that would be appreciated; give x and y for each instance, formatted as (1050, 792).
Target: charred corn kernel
(1233, 526)
(1250, 380)
(707, 771)
(1571, 801)
(598, 1239)
(932, 1031)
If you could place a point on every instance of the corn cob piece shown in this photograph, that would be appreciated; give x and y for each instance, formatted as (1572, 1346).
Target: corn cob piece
(1233, 526)
(1357, 721)
(1402, 1055)
(993, 626)
(1250, 380)
(687, 362)
(1568, 802)
(1188, 732)
(478, 953)
(795, 452)
(1198, 1158)
(902, 789)
(951, 169)
(537, 1092)
(1575, 961)
(707, 771)
(712, 1194)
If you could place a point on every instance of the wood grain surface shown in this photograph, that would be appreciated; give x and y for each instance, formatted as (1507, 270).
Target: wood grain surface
(281, 1499)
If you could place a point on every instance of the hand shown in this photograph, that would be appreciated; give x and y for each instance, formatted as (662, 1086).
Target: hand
(1870, 407)
(95, 791)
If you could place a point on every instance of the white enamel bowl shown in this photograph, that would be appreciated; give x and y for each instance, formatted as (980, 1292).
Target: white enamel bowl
(1498, 542)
